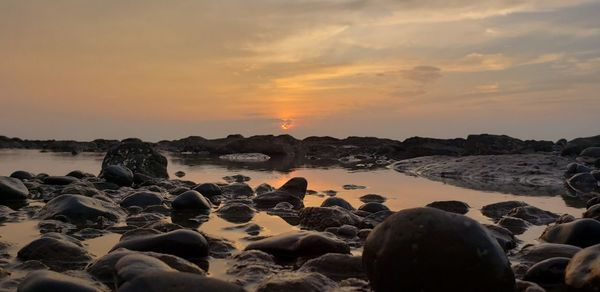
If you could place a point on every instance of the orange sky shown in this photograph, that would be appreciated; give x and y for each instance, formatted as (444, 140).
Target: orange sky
(169, 69)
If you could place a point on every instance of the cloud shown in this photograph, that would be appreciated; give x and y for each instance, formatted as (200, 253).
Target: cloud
(422, 74)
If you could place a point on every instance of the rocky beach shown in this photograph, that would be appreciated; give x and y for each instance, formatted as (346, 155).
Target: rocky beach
(513, 215)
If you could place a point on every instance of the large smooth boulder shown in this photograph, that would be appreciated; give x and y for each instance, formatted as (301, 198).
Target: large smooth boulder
(117, 174)
(583, 182)
(296, 281)
(575, 146)
(336, 201)
(582, 233)
(299, 244)
(12, 189)
(137, 156)
(236, 212)
(187, 244)
(237, 190)
(191, 201)
(80, 210)
(56, 251)
(583, 271)
(39, 281)
(22, 175)
(142, 199)
(549, 273)
(593, 152)
(536, 253)
(60, 180)
(208, 190)
(457, 207)
(161, 281)
(426, 249)
(320, 218)
(293, 192)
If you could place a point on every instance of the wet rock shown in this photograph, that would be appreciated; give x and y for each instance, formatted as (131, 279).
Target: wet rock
(191, 201)
(252, 266)
(59, 180)
(582, 233)
(336, 266)
(549, 273)
(52, 281)
(537, 253)
(293, 192)
(398, 254)
(236, 178)
(299, 244)
(176, 282)
(565, 218)
(117, 174)
(375, 219)
(246, 157)
(133, 265)
(373, 207)
(144, 218)
(592, 212)
(515, 225)
(183, 243)
(524, 286)
(335, 201)
(583, 182)
(593, 152)
(295, 186)
(83, 190)
(12, 189)
(142, 199)
(137, 156)
(582, 273)
(505, 238)
(58, 252)
(320, 218)
(208, 190)
(236, 212)
(104, 269)
(593, 201)
(79, 174)
(296, 281)
(457, 207)
(180, 174)
(499, 210)
(22, 175)
(238, 190)
(533, 215)
(6, 213)
(263, 188)
(575, 168)
(372, 198)
(80, 210)
(353, 187)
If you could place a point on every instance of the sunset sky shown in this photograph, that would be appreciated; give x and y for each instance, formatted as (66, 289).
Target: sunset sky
(389, 68)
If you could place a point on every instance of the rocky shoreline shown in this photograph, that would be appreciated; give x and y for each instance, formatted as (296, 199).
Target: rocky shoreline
(334, 247)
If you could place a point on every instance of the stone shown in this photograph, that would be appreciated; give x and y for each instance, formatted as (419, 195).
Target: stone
(533, 215)
(293, 192)
(582, 233)
(60, 180)
(137, 156)
(539, 252)
(335, 201)
(296, 281)
(22, 175)
(295, 186)
(12, 189)
(238, 190)
(593, 152)
(191, 201)
(160, 281)
(524, 286)
(375, 219)
(574, 168)
(236, 178)
(38, 281)
(117, 174)
(180, 174)
(372, 198)
(373, 207)
(426, 249)
(592, 212)
(336, 266)
(56, 251)
(499, 210)
(142, 199)
(263, 188)
(505, 238)
(236, 212)
(593, 201)
(187, 244)
(133, 265)
(583, 183)
(299, 244)
(208, 190)
(582, 273)
(252, 266)
(80, 210)
(79, 174)
(320, 218)
(549, 273)
(457, 207)
(515, 225)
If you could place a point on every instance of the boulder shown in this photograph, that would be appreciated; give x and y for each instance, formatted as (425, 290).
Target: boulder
(536, 253)
(498, 210)
(187, 244)
(293, 192)
(515, 225)
(236, 212)
(38, 281)
(299, 244)
(593, 152)
(80, 210)
(142, 199)
(574, 168)
(549, 273)
(296, 281)
(336, 266)
(56, 251)
(373, 207)
(208, 190)
(12, 189)
(375, 198)
(583, 273)
(582, 233)
(335, 201)
(160, 281)
(237, 190)
(583, 182)
(191, 201)
(457, 207)
(22, 175)
(533, 215)
(575, 146)
(320, 218)
(137, 156)
(117, 174)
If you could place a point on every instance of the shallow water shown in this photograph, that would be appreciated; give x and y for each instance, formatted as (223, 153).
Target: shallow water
(402, 191)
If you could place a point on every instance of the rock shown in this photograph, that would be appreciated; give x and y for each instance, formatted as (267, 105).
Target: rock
(582, 273)
(299, 244)
(296, 281)
(549, 273)
(375, 219)
(335, 201)
(399, 253)
(457, 207)
(133, 265)
(139, 157)
(582, 233)
(80, 210)
(79, 174)
(263, 188)
(236, 212)
(245, 157)
(583, 182)
(180, 174)
(574, 168)
(142, 199)
(533, 215)
(372, 198)
(565, 218)
(38, 281)
(336, 266)
(56, 251)
(252, 266)
(515, 225)
(293, 192)
(191, 201)
(353, 187)
(117, 174)
(592, 212)
(593, 152)
(347, 231)
(236, 178)
(593, 201)
(537, 253)
(524, 286)
(373, 207)
(504, 237)
(596, 174)
(486, 144)
(295, 186)
(22, 175)
(499, 210)
(320, 218)
(237, 190)
(12, 189)
(177, 282)
(575, 146)
(183, 243)
(60, 180)
(104, 269)
(208, 190)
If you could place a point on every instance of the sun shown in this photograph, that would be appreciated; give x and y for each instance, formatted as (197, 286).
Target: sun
(286, 124)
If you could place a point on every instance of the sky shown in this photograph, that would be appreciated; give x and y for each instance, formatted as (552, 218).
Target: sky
(72, 69)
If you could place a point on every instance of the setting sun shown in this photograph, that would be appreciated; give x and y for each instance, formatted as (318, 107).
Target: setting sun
(286, 125)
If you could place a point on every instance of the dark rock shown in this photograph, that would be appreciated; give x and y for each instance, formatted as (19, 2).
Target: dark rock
(58, 252)
(39, 281)
(336, 266)
(22, 175)
(582, 273)
(117, 174)
(353, 187)
(80, 209)
(592, 212)
(533, 215)
(457, 207)
(133, 265)
(191, 201)
(237, 190)
(574, 168)
(252, 266)
(373, 207)
(335, 201)
(142, 199)
(177, 282)
(504, 237)
(208, 190)
(183, 243)
(593, 152)
(583, 182)
(375, 219)
(139, 157)
(296, 281)
(79, 174)
(180, 174)
(12, 189)
(499, 210)
(236, 212)
(295, 186)
(236, 178)
(524, 286)
(575, 146)
(299, 244)
(515, 225)
(549, 273)
(537, 253)
(320, 218)
(593, 201)
(263, 188)
(582, 233)
(486, 144)
(399, 253)
(59, 180)
(372, 198)
(293, 192)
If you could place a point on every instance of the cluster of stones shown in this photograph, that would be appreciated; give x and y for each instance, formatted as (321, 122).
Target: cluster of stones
(583, 177)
